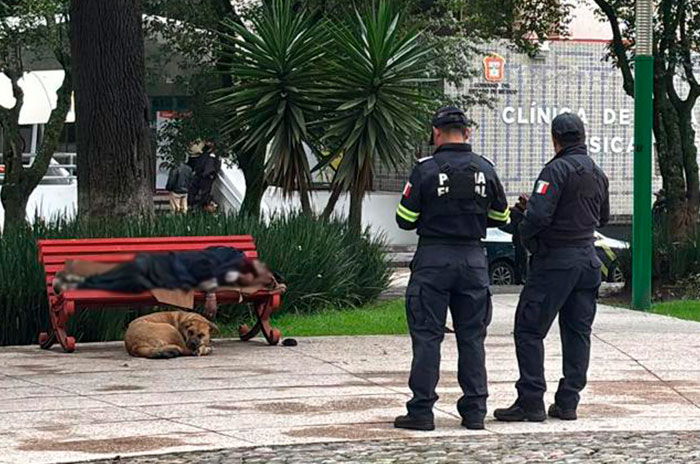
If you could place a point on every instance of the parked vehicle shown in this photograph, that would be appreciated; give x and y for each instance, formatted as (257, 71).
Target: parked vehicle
(501, 255)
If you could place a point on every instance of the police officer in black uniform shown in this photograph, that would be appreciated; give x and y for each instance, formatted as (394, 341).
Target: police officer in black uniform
(450, 199)
(569, 202)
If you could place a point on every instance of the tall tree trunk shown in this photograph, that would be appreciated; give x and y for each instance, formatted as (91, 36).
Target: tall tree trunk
(13, 202)
(253, 168)
(12, 185)
(116, 168)
(690, 164)
(332, 201)
(357, 194)
(305, 199)
(675, 143)
(15, 205)
(362, 183)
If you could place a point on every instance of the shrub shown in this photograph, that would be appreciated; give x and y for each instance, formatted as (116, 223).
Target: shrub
(324, 263)
(675, 263)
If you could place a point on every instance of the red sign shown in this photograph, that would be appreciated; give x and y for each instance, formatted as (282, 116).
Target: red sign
(494, 68)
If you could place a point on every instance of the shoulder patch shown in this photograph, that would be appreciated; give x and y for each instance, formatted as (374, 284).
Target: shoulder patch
(488, 160)
(424, 159)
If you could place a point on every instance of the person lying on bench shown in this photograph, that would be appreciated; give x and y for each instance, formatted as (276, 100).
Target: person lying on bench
(205, 270)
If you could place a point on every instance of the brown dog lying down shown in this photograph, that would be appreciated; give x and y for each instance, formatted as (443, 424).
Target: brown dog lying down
(169, 334)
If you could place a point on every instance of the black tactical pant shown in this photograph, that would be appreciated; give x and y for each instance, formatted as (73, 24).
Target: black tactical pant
(562, 281)
(454, 276)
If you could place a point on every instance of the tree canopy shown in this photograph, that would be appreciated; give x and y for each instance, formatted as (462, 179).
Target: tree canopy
(676, 91)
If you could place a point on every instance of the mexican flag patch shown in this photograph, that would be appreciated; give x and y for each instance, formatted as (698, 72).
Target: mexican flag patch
(407, 190)
(542, 187)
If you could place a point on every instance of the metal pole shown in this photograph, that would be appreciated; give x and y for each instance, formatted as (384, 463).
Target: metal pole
(643, 127)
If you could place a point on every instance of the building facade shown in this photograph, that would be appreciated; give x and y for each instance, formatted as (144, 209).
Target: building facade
(527, 93)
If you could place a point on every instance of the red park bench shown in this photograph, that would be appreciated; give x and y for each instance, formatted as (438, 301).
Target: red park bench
(53, 255)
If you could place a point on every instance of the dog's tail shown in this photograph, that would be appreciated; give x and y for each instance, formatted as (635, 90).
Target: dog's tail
(161, 352)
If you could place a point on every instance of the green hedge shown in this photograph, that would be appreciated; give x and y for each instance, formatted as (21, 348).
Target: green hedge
(675, 262)
(325, 265)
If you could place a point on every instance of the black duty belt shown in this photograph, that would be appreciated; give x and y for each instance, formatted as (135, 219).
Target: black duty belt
(449, 241)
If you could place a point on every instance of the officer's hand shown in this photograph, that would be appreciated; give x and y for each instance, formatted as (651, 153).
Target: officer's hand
(522, 202)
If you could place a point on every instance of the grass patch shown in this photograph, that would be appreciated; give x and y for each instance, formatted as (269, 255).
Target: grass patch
(389, 318)
(385, 318)
(689, 310)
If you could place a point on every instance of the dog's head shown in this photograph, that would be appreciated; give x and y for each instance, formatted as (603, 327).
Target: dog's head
(196, 330)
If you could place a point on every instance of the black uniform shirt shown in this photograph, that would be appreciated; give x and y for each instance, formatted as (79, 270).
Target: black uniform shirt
(569, 202)
(454, 194)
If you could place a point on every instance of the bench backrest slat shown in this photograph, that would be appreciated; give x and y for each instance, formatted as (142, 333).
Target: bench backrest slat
(132, 240)
(78, 250)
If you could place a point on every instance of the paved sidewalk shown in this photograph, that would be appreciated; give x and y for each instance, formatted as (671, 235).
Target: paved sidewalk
(98, 402)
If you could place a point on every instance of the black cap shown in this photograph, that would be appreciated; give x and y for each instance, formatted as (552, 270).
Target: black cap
(449, 115)
(446, 116)
(568, 127)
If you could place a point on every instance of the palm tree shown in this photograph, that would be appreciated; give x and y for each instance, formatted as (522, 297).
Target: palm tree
(278, 90)
(378, 101)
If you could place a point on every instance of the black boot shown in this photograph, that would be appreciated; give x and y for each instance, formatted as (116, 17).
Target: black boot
(561, 413)
(413, 423)
(519, 412)
(473, 423)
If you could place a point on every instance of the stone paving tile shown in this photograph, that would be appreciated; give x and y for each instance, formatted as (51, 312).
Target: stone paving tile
(29, 391)
(320, 433)
(63, 418)
(173, 397)
(310, 412)
(9, 383)
(70, 449)
(188, 382)
(619, 447)
(286, 406)
(49, 404)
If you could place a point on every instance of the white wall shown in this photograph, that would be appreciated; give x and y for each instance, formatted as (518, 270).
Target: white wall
(379, 211)
(49, 201)
(379, 208)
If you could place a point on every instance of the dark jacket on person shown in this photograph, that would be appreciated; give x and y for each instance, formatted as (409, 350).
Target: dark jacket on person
(569, 202)
(176, 270)
(179, 179)
(453, 195)
(206, 170)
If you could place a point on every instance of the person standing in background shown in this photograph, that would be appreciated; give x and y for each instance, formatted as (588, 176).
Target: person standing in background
(206, 170)
(178, 185)
(522, 259)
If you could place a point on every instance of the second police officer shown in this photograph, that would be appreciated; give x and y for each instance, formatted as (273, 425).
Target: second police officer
(569, 202)
(450, 199)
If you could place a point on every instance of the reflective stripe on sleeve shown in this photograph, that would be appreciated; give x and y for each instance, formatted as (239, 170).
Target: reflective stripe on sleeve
(499, 216)
(406, 214)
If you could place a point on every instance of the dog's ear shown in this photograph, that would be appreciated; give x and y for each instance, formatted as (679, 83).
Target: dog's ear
(214, 327)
